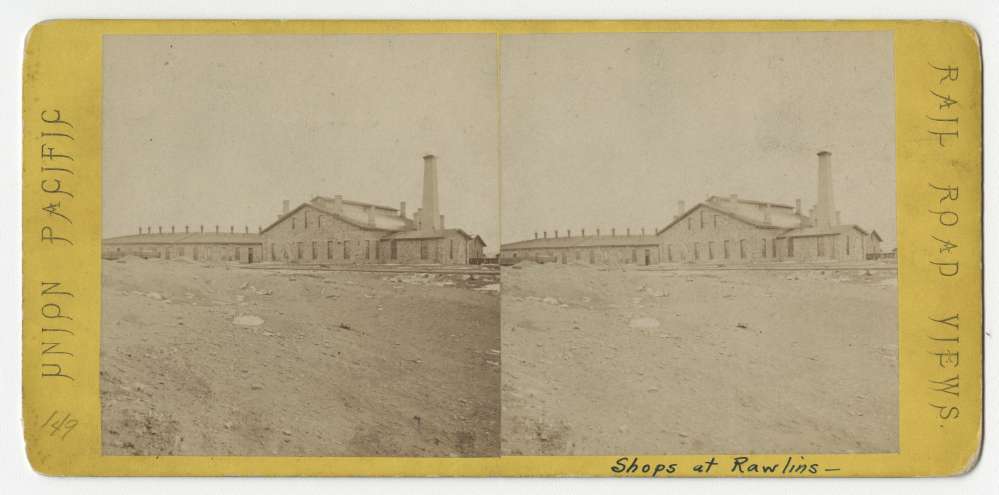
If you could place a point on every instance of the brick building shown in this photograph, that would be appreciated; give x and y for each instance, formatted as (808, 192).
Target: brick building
(215, 246)
(610, 249)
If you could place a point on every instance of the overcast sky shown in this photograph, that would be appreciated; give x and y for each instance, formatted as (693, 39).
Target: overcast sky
(611, 130)
(221, 129)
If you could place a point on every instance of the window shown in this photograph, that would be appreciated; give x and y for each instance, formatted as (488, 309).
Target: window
(848, 245)
(716, 222)
(669, 252)
(701, 215)
(292, 223)
(314, 255)
(697, 251)
(424, 250)
(773, 248)
(273, 258)
(764, 253)
(711, 250)
(634, 255)
(346, 249)
(450, 252)
(591, 257)
(790, 247)
(238, 253)
(319, 222)
(577, 255)
(742, 248)
(305, 214)
(690, 223)
(395, 250)
(367, 249)
(298, 250)
(329, 250)
(820, 247)
(725, 248)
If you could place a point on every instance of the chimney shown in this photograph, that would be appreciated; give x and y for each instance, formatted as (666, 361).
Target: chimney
(140, 230)
(246, 229)
(837, 218)
(232, 229)
(187, 229)
(285, 206)
(535, 235)
(568, 233)
(442, 222)
(172, 231)
(338, 204)
(260, 230)
(582, 233)
(681, 207)
(643, 230)
(627, 231)
(202, 228)
(598, 232)
(825, 209)
(216, 228)
(160, 228)
(430, 207)
(545, 233)
(613, 232)
(402, 209)
(767, 216)
(797, 206)
(556, 233)
(371, 214)
(419, 218)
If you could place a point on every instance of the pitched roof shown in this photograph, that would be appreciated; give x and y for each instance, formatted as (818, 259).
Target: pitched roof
(821, 231)
(427, 234)
(354, 213)
(586, 241)
(192, 238)
(748, 211)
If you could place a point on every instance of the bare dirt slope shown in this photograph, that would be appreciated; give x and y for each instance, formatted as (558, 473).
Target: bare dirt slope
(325, 363)
(611, 361)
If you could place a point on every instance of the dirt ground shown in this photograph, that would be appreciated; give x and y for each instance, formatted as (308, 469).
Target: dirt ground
(611, 360)
(215, 360)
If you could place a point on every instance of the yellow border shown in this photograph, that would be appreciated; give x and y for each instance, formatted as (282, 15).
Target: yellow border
(940, 432)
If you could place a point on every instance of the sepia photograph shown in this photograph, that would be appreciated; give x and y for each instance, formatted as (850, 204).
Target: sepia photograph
(698, 243)
(300, 239)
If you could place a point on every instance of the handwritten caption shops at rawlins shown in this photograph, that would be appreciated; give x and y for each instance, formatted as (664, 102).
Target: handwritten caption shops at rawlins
(322, 230)
(720, 230)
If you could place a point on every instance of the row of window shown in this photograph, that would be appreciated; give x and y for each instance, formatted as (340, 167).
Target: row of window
(370, 250)
(305, 218)
(700, 222)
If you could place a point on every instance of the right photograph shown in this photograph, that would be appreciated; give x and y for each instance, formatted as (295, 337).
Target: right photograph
(698, 243)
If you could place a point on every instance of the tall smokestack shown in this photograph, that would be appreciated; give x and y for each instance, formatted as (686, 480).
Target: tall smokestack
(431, 210)
(825, 209)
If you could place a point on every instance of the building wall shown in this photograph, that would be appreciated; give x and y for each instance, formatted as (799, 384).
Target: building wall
(598, 255)
(701, 238)
(221, 252)
(849, 246)
(309, 236)
(453, 248)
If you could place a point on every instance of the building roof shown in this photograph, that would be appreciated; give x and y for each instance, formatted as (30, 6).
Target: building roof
(584, 241)
(354, 213)
(748, 211)
(192, 238)
(822, 231)
(428, 234)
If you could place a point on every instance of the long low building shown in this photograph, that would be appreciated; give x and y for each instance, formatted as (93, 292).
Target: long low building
(594, 249)
(201, 246)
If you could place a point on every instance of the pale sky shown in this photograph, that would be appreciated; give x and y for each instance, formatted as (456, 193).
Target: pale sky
(221, 129)
(611, 130)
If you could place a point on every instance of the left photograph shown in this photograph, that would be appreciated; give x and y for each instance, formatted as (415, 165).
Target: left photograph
(299, 246)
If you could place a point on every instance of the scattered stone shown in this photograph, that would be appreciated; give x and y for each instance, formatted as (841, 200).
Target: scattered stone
(248, 321)
(741, 325)
(550, 300)
(489, 288)
(244, 286)
(256, 386)
(155, 295)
